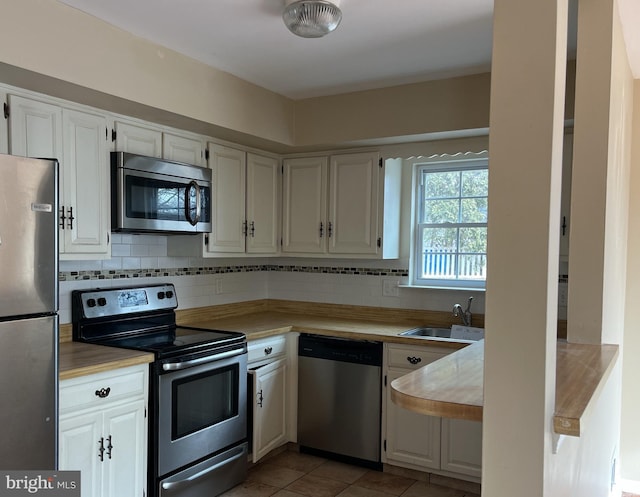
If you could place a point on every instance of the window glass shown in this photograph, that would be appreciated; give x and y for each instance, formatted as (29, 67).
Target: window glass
(450, 213)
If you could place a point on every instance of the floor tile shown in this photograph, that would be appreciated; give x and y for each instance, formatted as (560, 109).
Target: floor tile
(251, 489)
(424, 489)
(270, 474)
(315, 486)
(295, 460)
(353, 491)
(287, 493)
(384, 482)
(339, 471)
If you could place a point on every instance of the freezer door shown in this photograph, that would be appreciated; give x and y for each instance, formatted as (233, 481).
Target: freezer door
(28, 236)
(28, 388)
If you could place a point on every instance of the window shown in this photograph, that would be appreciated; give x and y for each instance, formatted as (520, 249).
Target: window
(450, 230)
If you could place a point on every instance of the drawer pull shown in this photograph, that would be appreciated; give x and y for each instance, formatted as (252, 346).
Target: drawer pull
(414, 360)
(103, 392)
(268, 350)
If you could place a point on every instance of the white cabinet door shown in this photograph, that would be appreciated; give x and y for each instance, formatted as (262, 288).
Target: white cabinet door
(79, 440)
(35, 128)
(138, 140)
(304, 197)
(124, 427)
(353, 203)
(85, 186)
(412, 438)
(263, 202)
(182, 149)
(269, 407)
(228, 199)
(462, 446)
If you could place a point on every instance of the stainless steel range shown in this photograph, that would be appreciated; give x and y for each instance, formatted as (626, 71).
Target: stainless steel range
(198, 386)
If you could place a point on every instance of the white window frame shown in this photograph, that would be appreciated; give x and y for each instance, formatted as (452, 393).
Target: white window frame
(416, 257)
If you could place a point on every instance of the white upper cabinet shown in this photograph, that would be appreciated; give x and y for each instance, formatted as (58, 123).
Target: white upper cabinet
(343, 206)
(304, 205)
(229, 167)
(79, 141)
(138, 139)
(35, 128)
(182, 148)
(353, 204)
(263, 204)
(85, 187)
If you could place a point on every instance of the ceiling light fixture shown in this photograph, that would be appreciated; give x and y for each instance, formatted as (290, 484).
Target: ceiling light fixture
(312, 18)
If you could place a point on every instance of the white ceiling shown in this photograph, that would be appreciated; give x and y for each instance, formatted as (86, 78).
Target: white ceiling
(419, 40)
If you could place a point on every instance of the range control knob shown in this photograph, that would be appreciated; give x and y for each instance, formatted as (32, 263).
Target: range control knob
(169, 294)
(160, 295)
(91, 302)
(102, 301)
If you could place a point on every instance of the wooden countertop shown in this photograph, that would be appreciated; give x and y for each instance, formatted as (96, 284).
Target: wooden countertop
(453, 386)
(80, 359)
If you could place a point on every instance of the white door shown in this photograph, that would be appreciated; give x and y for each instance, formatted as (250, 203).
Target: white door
(79, 439)
(462, 446)
(269, 407)
(182, 149)
(353, 203)
(138, 140)
(304, 209)
(85, 187)
(412, 438)
(125, 460)
(263, 202)
(228, 199)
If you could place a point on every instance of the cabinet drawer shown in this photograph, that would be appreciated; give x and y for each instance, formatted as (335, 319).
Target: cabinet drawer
(267, 348)
(410, 357)
(102, 389)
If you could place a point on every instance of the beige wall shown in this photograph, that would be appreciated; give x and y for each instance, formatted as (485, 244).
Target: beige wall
(630, 438)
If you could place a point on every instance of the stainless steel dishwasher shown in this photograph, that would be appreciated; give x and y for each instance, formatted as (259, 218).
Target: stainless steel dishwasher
(339, 398)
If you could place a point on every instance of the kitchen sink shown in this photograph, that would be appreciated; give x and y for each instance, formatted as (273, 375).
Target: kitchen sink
(456, 332)
(427, 332)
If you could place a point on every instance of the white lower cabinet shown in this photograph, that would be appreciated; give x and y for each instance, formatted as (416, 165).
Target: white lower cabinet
(270, 398)
(103, 431)
(446, 446)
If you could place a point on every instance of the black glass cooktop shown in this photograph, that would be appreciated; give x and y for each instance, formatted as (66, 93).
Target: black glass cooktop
(177, 340)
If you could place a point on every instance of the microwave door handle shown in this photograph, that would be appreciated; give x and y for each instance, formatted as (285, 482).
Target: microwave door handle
(187, 203)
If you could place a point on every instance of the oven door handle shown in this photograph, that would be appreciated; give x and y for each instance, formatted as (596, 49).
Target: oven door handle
(176, 366)
(171, 485)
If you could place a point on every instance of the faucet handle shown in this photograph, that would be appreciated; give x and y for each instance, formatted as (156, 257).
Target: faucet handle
(469, 304)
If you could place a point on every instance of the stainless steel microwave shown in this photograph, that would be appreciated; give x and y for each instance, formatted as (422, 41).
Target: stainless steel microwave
(155, 195)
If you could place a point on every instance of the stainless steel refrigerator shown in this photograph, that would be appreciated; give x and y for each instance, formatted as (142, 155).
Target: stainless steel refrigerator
(28, 313)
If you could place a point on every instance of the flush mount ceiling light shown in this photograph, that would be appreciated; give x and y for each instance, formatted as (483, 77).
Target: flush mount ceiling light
(311, 18)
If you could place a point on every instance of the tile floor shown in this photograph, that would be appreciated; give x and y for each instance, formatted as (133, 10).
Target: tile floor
(292, 474)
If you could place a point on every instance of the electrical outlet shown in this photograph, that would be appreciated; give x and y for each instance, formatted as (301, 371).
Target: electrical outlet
(563, 294)
(219, 288)
(390, 288)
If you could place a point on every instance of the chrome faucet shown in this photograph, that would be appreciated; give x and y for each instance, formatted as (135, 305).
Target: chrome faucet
(464, 315)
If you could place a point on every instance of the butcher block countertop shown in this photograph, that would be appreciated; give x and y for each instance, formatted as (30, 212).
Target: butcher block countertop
(264, 318)
(453, 386)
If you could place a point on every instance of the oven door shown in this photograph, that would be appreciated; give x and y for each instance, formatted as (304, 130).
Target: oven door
(149, 201)
(202, 407)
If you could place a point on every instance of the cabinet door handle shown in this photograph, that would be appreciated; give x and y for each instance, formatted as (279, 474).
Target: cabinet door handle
(70, 218)
(330, 229)
(414, 360)
(268, 350)
(62, 216)
(260, 398)
(244, 228)
(103, 392)
(252, 230)
(109, 446)
(101, 449)
(321, 229)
